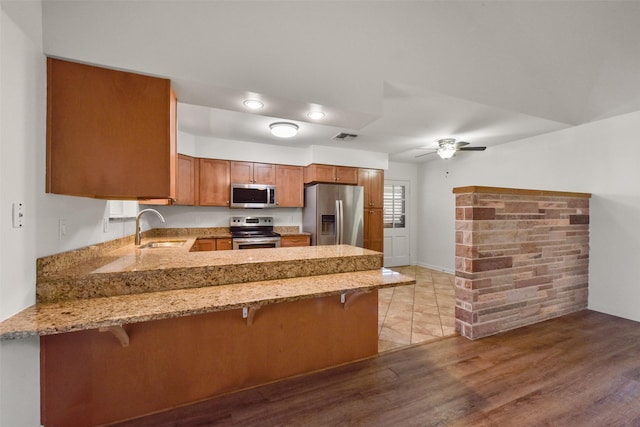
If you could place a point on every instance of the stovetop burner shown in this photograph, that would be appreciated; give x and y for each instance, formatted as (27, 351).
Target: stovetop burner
(254, 233)
(252, 226)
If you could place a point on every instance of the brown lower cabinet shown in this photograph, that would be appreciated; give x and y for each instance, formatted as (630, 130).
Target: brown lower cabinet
(297, 240)
(224, 244)
(213, 244)
(88, 378)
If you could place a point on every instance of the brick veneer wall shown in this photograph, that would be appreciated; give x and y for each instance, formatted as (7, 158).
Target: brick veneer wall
(522, 256)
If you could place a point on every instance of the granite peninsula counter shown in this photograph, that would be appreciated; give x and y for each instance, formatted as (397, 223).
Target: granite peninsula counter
(192, 325)
(131, 284)
(89, 273)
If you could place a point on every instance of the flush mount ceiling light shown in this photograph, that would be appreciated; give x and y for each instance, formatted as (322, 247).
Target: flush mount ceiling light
(315, 115)
(253, 104)
(283, 129)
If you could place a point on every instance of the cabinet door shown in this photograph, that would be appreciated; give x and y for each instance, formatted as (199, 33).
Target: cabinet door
(241, 172)
(186, 181)
(264, 173)
(374, 230)
(110, 134)
(373, 182)
(376, 188)
(346, 175)
(223, 244)
(213, 182)
(204, 245)
(290, 188)
(319, 173)
(253, 173)
(294, 241)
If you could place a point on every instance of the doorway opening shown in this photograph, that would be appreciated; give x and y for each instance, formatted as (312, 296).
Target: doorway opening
(419, 313)
(397, 234)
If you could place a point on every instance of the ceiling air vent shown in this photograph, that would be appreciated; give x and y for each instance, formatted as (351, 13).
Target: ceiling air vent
(343, 136)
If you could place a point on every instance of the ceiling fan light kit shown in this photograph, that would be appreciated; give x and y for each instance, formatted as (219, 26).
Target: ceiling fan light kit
(447, 148)
(446, 152)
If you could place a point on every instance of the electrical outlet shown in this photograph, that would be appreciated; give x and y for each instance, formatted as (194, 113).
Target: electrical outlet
(18, 215)
(105, 225)
(62, 228)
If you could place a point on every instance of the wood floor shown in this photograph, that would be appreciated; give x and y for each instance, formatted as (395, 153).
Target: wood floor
(579, 370)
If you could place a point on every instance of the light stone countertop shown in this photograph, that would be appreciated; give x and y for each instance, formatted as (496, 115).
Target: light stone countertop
(81, 314)
(116, 282)
(130, 269)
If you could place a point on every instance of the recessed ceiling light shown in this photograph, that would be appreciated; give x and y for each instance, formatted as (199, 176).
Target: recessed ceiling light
(253, 104)
(315, 115)
(283, 129)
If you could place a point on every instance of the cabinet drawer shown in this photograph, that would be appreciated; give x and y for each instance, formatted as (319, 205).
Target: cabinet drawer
(291, 241)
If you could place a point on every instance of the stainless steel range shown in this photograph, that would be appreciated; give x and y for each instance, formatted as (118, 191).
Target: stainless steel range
(253, 232)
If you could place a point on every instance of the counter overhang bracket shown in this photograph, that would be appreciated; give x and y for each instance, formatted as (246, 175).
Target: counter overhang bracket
(347, 299)
(118, 332)
(249, 313)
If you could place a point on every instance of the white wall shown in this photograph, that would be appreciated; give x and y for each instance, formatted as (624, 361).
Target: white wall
(599, 158)
(22, 179)
(214, 148)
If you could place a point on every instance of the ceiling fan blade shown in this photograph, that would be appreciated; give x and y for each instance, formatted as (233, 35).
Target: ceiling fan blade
(472, 149)
(461, 144)
(425, 154)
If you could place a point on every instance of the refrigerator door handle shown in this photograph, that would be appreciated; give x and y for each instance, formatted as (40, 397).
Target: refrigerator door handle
(339, 222)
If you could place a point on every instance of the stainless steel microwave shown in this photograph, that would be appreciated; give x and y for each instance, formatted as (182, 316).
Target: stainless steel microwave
(252, 196)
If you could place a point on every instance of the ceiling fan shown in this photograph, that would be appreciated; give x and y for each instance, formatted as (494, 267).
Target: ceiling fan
(447, 147)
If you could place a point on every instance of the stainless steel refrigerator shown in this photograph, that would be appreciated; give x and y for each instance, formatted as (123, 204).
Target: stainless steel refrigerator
(333, 214)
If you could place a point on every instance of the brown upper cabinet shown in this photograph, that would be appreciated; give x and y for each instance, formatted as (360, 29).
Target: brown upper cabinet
(253, 173)
(331, 174)
(290, 188)
(186, 180)
(373, 182)
(213, 182)
(110, 134)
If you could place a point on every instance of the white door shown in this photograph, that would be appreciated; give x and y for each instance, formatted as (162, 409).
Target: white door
(396, 224)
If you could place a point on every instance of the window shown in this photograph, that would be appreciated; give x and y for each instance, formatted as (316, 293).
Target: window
(394, 206)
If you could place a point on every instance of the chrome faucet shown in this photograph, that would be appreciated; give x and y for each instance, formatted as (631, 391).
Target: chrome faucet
(138, 232)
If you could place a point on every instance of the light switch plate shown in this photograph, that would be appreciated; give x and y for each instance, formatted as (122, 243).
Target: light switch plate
(62, 228)
(18, 215)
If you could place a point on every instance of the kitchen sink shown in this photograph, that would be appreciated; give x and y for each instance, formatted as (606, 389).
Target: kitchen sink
(163, 244)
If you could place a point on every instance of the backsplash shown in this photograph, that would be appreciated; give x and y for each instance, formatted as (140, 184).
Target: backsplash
(206, 216)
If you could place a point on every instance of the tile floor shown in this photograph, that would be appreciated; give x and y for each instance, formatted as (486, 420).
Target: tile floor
(419, 313)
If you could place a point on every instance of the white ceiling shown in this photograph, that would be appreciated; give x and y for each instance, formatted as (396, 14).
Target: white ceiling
(399, 74)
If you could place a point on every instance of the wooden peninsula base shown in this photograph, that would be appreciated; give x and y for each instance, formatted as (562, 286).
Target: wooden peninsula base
(89, 378)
